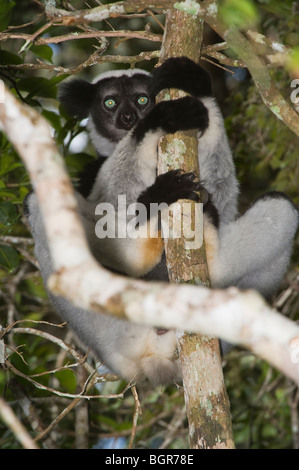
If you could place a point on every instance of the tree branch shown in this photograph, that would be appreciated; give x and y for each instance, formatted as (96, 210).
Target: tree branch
(103, 12)
(86, 35)
(208, 10)
(95, 58)
(263, 81)
(199, 355)
(21, 433)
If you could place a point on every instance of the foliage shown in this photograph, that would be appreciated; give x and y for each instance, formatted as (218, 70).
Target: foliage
(241, 14)
(262, 401)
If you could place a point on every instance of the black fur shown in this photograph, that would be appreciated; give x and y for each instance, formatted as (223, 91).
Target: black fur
(88, 176)
(184, 74)
(77, 97)
(167, 115)
(174, 185)
(211, 210)
(169, 188)
(26, 210)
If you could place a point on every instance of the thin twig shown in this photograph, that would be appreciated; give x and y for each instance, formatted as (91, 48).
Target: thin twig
(57, 392)
(173, 427)
(54, 423)
(137, 412)
(11, 420)
(13, 240)
(6, 330)
(217, 65)
(89, 35)
(92, 382)
(94, 59)
(156, 19)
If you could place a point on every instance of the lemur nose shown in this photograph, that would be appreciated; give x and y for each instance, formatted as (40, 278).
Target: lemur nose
(128, 119)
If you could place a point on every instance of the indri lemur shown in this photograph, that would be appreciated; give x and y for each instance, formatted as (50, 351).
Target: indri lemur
(125, 124)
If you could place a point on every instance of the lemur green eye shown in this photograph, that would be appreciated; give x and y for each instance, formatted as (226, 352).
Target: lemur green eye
(110, 103)
(142, 100)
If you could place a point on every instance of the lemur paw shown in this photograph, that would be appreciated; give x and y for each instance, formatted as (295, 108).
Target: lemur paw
(180, 185)
(182, 114)
(174, 185)
(172, 116)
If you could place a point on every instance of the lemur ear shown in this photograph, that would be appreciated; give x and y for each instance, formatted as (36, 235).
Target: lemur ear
(77, 97)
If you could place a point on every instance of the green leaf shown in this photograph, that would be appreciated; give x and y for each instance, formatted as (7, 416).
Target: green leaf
(53, 119)
(8, 193)
(35, 287)
(67, 380)
(8, 213)
(6, 7)
(44, 52)
(11, 167)
(40, 86)
(78, 161)
(9, 257)
(242, 14)
(293, 61)
(7, 57)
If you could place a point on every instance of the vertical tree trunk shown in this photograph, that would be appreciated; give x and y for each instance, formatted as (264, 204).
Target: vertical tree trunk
(206, 400)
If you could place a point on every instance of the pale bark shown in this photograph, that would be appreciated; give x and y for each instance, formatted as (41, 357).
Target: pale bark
(12, 421)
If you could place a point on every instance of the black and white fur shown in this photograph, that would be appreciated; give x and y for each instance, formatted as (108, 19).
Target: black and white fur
(251, 251)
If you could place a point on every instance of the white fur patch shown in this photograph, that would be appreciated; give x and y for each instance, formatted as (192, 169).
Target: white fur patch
(105, 146)
(119, 73)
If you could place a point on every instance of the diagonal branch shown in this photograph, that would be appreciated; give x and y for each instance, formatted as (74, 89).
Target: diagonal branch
(208, 10)
(263, 81)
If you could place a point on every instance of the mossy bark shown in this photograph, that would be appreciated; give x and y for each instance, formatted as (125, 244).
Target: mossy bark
(205, 395)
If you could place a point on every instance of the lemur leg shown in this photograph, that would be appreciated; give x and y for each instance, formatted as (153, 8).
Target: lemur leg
(254, 250)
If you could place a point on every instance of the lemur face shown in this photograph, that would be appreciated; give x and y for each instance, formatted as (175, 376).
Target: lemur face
(120, 102)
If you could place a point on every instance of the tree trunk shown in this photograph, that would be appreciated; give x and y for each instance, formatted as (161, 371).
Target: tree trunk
(206, 400)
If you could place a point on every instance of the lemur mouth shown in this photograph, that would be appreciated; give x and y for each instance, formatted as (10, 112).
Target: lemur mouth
(126, 127)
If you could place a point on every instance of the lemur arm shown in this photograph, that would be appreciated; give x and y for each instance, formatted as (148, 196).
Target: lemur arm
(129, 171)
